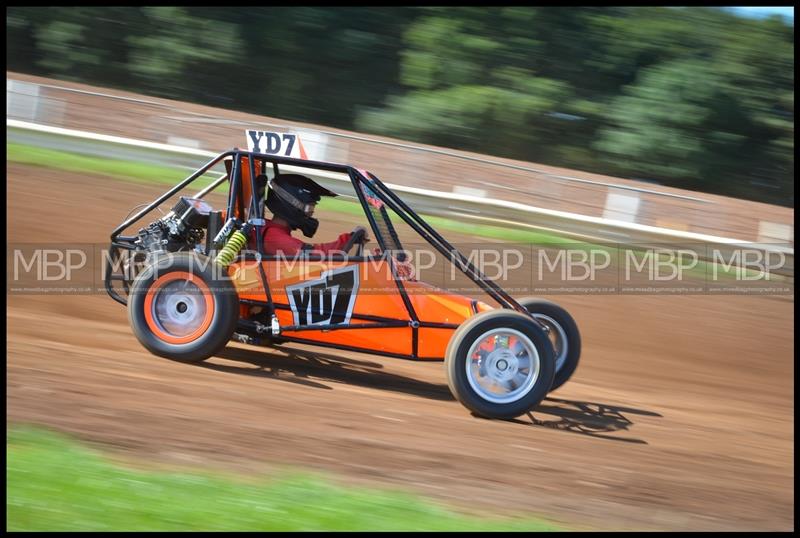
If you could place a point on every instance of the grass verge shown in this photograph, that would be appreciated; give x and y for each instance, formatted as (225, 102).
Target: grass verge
(73, 162)
(55, 484)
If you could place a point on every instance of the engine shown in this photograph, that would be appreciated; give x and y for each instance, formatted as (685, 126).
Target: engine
(183, 228)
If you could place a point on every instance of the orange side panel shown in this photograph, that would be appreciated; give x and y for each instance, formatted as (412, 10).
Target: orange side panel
(433, 342)
(440, 306)
(389, 340)
(377, 296)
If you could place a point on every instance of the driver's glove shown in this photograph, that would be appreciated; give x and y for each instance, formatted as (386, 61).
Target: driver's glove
(366, 233)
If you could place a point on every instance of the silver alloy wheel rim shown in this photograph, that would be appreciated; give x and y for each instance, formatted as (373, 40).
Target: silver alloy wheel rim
(558, 337)
(179, 308)
(502, 375)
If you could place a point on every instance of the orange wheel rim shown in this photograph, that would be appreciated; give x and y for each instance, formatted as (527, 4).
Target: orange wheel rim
(179, 307)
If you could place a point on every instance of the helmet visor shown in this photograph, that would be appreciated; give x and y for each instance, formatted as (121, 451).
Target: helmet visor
(286, 196)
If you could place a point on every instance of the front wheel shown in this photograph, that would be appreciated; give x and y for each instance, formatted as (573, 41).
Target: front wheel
(180, 309)
(499, 364)
(563, 334)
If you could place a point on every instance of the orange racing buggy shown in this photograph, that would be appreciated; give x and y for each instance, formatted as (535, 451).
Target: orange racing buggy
(190, 287)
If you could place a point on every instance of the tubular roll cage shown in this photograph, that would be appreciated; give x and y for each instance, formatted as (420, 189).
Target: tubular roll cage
(383, 193)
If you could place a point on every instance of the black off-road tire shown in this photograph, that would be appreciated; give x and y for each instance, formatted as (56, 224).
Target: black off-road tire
(211, 298)
(473, 330)
(567, 359)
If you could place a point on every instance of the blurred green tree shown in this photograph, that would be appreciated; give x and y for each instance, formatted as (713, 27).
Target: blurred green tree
(692, 97)
(475, 82)
(76, 43)
(717, 117)
(319, 64)
(182, 54)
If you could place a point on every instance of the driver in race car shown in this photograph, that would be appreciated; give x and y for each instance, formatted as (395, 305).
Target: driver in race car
(292, 199)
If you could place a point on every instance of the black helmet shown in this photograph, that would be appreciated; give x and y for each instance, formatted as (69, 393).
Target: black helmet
(290, 196)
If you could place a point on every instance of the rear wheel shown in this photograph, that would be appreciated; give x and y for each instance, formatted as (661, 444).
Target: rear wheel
(563, 334)
(179, 309)
(499, 364)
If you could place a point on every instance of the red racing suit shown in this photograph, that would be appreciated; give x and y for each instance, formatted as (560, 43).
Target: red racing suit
(277, 238)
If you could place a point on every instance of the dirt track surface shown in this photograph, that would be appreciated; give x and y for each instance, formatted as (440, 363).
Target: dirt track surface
(679, 417)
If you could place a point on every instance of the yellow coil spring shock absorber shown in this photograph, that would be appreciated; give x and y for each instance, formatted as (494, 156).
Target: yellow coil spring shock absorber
(235, 243)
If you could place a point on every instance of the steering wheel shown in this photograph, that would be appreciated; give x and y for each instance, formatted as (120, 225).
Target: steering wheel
(357, 236)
